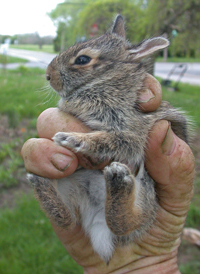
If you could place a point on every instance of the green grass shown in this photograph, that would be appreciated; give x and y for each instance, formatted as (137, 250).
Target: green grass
(45, 48)
(21, 93)
(179, 59)
(21, 96)
(10, 161)
(30, 246)
(28, 243)
(193, 217)
(191, 267)
(188, 99)
(5, 59)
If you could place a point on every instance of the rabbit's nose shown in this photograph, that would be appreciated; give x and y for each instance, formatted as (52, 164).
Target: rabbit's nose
(48, 77)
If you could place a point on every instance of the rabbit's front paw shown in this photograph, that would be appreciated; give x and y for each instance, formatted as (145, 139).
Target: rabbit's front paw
(73, 141)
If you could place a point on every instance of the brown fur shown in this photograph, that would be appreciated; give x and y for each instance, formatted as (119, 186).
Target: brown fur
(99, 82)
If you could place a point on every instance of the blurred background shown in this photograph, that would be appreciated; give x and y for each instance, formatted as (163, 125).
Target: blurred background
(31, 34)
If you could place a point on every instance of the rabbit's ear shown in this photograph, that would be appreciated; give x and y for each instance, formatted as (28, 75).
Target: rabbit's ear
(148, 47)
(119, 27)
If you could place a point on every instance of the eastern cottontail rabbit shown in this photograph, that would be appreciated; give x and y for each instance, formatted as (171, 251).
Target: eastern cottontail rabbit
(99, 83)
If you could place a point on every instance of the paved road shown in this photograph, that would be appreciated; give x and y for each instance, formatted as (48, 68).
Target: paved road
(191, 76)
(35, 58)
(41, 59)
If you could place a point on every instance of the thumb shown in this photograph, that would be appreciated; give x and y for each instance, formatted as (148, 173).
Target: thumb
(170, 162)
(44, 158)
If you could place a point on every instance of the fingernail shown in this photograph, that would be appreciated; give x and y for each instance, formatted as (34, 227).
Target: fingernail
(145, 96)
(61, 161)
(168, 144)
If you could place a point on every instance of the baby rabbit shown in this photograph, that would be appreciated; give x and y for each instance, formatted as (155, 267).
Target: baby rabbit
(99, 82)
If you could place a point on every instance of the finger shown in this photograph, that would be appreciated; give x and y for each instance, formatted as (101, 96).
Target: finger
(46, 159)
(170, 162)
(53, 120)
(151, 95)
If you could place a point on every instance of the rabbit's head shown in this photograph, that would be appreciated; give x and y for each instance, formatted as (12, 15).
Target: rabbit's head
(104, 61)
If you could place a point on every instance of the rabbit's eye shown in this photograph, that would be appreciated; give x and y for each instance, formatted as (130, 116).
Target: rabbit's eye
(82, 60)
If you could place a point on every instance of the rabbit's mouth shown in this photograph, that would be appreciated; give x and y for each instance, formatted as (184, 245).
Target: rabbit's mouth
(54, 78)
(57, 83)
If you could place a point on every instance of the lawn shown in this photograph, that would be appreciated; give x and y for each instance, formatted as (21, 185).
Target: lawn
(5, 59)
(179, 59)
(28, 242)
(45, 48)
(25, 92)
(188, 99)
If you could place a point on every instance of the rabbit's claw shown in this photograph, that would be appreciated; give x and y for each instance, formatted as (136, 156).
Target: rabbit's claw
(71, 141)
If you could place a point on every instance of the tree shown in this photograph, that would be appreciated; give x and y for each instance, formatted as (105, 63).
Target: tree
(76, 17)
(64, 17)
(60, 42)
(144, 19)
(164, 16)
(102, 13)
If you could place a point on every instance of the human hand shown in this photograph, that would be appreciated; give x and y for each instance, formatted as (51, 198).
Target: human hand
(168, 160)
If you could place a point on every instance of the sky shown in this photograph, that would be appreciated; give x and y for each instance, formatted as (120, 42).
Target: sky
(27, 16)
